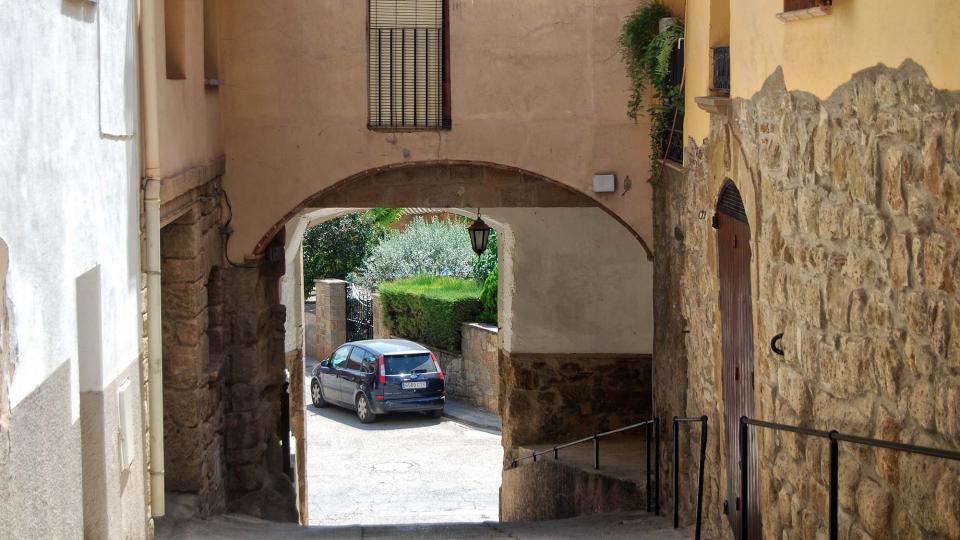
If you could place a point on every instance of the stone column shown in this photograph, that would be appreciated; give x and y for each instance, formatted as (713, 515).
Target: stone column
(256, 482)
(331, 315)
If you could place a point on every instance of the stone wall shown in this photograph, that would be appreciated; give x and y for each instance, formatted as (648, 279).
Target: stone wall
(471, 376)
(331, 315)
(191, 299)
(555, 490)
(555, 398)
(254, 344)
(854, 206)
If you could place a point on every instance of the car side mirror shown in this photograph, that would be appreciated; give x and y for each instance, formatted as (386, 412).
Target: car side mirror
(325, 363)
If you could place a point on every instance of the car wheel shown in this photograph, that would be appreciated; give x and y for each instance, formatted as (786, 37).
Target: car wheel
(316, 394)
(435, 414)
(363, 410)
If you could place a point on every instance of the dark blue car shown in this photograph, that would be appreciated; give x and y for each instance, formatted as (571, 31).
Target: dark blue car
(380, 376)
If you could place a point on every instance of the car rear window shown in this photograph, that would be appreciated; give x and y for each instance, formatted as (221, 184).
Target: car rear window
(419, 363)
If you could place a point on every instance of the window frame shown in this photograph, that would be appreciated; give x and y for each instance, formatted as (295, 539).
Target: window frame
(446, 122)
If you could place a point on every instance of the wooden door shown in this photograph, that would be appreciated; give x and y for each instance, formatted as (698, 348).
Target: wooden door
(736, 314)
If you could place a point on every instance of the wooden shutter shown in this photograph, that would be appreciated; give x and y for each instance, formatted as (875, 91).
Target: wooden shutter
(407, 57)
(794, 5)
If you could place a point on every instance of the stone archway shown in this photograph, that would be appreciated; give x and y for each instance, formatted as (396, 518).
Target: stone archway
(446, 184)
(584, 319)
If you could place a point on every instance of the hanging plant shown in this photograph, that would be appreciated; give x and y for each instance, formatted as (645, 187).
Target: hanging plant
(646, 53)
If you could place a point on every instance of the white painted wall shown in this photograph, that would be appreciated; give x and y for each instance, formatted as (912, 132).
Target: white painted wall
(70, 177)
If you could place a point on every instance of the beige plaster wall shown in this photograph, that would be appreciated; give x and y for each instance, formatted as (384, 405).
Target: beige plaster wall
(189, 124)
(537, 85)
(572, 280)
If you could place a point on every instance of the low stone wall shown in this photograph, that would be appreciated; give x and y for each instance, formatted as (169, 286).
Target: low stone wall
(560, 397)
(554, 490)
(471, 375)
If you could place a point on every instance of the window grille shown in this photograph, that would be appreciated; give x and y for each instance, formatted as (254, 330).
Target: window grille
(407, 76)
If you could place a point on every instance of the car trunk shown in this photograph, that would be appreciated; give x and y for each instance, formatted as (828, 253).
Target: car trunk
(412, 375)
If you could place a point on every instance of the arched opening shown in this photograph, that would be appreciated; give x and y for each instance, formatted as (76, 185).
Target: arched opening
(736, 318)
(572, 355)
(573, 350)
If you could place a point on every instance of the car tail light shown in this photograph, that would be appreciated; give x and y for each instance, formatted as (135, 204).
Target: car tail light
(437, 363)
(382, 370)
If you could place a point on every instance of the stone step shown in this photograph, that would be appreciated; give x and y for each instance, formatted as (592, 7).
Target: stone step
(570, 486)
(640, 526)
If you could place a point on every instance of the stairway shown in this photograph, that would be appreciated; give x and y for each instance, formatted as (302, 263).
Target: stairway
(570, 486)
(625, 525)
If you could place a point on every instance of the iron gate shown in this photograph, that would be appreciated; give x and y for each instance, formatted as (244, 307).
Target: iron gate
(359, 313)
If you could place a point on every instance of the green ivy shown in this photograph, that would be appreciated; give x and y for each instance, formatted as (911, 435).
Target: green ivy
(646, 53)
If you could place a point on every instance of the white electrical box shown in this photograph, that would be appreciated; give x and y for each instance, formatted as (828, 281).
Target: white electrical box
(127, 409)
(604, 183)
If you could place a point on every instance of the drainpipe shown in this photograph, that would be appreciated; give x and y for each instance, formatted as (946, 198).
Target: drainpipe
(151, 207)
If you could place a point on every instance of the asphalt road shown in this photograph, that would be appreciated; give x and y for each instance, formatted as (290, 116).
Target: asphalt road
(402, 469)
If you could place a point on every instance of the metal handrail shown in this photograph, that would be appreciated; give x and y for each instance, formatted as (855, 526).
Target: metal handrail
(652, 424)
(835, 437)
(676, 470)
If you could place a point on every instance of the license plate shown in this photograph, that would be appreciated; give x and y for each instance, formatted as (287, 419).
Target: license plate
(414, 385)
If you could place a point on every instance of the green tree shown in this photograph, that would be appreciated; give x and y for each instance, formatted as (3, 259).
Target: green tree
(487, 261)
(436, 248)
(335, 248)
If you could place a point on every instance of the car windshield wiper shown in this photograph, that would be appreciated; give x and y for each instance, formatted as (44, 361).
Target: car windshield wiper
(418, 371)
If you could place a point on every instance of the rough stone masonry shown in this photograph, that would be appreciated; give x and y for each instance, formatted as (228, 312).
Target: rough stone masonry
(854, 208)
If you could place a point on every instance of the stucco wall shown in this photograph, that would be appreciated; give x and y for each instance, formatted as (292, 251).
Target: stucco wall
(189, 123)
(853, 205)
(819, 54)
(535, 85)
(572, 280)
(68, 160)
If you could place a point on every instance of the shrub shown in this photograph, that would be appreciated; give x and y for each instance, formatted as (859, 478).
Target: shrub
(488, 297)
(437, 248)
(430, 309)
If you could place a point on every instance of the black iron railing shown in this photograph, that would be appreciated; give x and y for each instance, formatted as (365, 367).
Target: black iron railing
(653, 470)
(673, 140)
(721, 70)
(359, 313)
(835, 439)
(676, 470)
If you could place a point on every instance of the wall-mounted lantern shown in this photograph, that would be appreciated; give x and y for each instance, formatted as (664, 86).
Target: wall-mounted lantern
(479, 235)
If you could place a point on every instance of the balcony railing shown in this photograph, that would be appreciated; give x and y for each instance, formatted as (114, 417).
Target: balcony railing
(721, 70)
(673, 139)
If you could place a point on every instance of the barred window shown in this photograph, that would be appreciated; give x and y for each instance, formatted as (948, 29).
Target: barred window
(408, 75)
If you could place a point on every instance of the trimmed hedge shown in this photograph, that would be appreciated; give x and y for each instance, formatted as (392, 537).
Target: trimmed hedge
(430, 309)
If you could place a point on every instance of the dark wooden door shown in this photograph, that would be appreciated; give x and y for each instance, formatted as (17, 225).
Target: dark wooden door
(736, 314)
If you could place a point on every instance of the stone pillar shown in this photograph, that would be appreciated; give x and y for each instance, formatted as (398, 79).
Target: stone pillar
(193, 413)
(380, 330)
(256, 483)
(331, 315)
